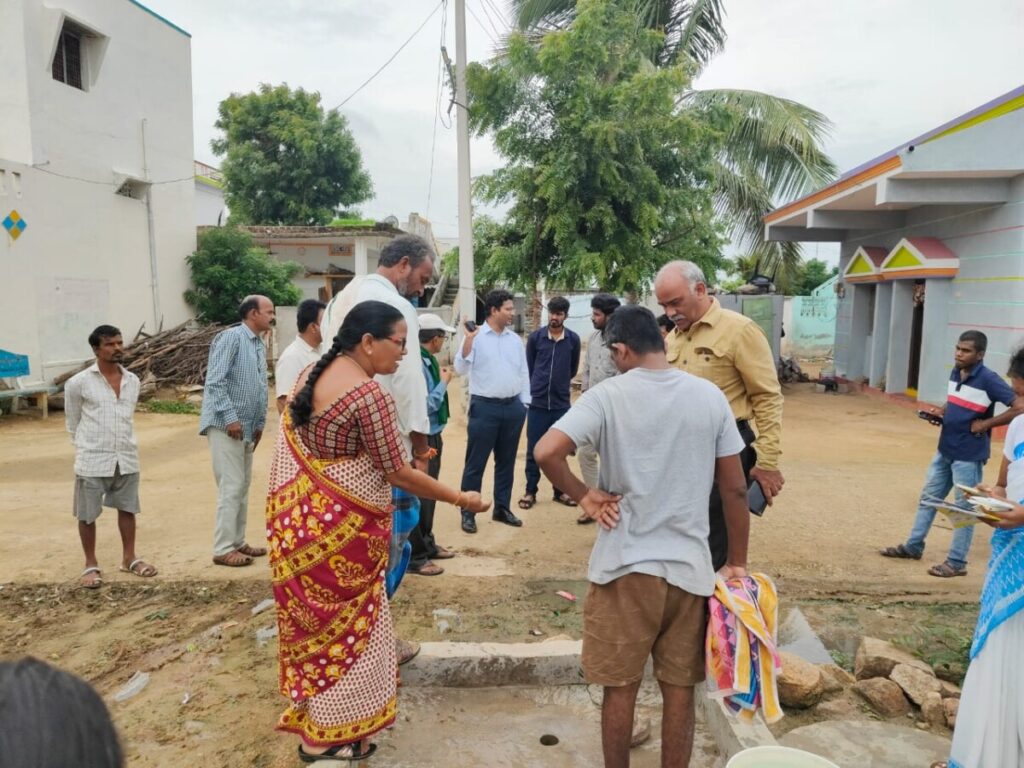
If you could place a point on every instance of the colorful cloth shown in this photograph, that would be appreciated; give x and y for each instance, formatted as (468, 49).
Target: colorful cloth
(405, 515)
(741, 651)
(329, 527)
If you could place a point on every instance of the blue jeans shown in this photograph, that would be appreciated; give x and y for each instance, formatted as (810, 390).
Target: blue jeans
(942, 474)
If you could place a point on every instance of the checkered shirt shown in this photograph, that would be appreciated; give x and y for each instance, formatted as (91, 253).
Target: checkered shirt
(100, 423)
(236, 383)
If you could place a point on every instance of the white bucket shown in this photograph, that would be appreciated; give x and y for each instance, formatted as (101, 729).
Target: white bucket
(778, 757)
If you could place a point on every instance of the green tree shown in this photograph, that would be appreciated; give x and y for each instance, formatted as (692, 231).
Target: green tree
(286, 160)
(773, 148)
(814, 272)
(606, 178)
(227, 267)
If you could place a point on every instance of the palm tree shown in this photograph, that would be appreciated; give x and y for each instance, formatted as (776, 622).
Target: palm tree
(773, 150)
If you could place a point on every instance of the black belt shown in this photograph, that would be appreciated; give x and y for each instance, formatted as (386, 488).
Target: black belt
(496, 400)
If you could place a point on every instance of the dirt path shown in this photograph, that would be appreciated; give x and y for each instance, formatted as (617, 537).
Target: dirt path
(853, 465)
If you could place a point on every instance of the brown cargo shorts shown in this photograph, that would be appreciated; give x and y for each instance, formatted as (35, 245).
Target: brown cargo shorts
(636, 616)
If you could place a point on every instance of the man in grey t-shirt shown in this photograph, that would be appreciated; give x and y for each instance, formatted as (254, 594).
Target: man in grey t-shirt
(663, 436)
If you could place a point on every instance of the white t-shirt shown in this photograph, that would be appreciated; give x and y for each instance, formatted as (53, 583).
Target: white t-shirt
(292, 363)
(658, 433)
(406, 385)
(1013, 450)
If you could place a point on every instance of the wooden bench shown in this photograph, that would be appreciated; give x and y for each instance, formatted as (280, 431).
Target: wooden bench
(38, 391)
(13, 369)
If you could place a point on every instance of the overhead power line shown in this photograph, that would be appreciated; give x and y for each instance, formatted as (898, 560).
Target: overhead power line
(392, 57)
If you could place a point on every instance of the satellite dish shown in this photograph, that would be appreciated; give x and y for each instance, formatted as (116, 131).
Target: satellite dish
(392, 220)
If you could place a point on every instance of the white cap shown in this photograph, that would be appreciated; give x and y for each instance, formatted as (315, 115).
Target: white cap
(431, 322)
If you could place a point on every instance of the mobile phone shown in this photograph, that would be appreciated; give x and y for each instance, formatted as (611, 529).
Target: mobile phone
(470, 326)
(931, 418)
(756, 501)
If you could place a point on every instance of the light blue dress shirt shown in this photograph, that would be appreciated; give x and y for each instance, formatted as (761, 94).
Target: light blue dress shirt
(496, 365)
(236, 383)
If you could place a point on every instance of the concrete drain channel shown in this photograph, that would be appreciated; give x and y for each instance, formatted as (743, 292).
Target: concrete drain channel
(512, 705)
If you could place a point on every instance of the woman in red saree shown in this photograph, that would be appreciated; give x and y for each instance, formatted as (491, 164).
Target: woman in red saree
(329, 527)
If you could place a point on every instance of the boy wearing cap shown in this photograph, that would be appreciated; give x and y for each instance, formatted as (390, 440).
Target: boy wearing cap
(433, 332)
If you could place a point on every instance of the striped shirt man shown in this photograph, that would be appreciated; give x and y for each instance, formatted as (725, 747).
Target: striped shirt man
(236, 383)
(967, 400)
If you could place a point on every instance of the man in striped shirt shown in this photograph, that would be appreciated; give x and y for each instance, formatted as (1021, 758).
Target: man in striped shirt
(99, 403)
(967, 419)
(233, 416)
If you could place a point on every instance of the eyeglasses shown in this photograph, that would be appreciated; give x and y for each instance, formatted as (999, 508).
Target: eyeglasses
(399, 342)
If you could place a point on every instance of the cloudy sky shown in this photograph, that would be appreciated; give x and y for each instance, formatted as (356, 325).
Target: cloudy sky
(882, 70)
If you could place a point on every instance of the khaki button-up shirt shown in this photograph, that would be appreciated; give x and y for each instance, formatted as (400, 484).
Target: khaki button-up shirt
(732, 352)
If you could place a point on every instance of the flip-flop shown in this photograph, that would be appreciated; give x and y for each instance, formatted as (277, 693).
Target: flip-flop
(584, 519)
(527, 501)
(95, 583)
(565, 500)
(147, 571)
(339, 753)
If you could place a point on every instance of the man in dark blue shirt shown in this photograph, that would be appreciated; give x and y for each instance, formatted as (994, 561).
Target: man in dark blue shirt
(553, 356)
(964, 445)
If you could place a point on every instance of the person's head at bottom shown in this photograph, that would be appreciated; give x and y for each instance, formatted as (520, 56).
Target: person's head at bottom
(51, 719)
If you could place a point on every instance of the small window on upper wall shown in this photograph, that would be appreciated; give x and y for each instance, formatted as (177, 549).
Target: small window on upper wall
(69, 58)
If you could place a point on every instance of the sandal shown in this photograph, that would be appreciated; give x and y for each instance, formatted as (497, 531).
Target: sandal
(584, 519)
(899, 551)
(946, 571)
(528, 501)
(232, 559)
(139, 567)
(405, 650)
(338, 753)
(245, 549)
(565, 500)
(443, 554)
(91, 582)
(428, 569)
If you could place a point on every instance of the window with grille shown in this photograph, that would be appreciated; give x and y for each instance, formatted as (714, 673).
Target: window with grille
(67, 61)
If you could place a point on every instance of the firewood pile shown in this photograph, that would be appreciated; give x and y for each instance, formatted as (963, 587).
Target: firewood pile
(173, 358)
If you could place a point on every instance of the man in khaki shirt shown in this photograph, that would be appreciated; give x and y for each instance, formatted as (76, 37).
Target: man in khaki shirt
(731, 351)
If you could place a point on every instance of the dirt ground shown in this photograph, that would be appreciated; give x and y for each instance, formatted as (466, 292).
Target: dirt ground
(853, 468)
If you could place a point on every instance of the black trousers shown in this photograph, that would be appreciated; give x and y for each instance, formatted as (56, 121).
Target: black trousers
(538, 422)
(718, 539)
(494, 427)
(422, 536)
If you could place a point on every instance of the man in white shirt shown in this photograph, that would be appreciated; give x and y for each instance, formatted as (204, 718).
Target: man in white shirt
(99, 403)
(406, 264)
(303, 351)
(597, 366)
(494, 358)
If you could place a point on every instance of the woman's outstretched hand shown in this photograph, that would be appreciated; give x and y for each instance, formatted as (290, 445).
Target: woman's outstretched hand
(471, 501)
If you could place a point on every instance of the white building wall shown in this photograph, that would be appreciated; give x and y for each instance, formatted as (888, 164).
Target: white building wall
(209, 205)
(85, 257)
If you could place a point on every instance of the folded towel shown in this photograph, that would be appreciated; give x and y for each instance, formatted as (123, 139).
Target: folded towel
(742, 655)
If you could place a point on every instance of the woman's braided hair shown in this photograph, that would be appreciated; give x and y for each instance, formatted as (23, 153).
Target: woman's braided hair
(367, 317)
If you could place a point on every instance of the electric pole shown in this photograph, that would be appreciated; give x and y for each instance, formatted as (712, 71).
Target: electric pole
(467, 286)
